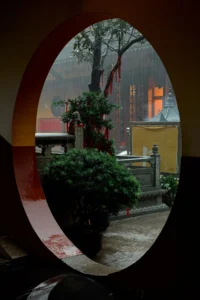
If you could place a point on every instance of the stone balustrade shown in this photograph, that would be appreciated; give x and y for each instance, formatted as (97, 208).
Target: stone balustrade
(145, 168)
(55, 143)
(47, 143)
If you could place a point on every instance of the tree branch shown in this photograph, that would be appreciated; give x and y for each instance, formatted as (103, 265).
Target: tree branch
(119, 42)
(103, 58)
(86, 37)
(85, 32)
(128, 45)
(130, 34)
(110, 47)
(106, 52)
(118, 64)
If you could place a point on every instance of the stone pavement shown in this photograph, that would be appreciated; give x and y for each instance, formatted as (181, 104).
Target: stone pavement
(127, 240)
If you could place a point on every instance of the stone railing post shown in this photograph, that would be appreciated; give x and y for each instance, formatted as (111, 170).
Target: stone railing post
(44, 158)
(78, 131)
(65, 147)
(78, 137)
(155, 163)
(128, 132)
(46, 150)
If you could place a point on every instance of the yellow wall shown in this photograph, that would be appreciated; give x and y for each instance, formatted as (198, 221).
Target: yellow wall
(166, 137)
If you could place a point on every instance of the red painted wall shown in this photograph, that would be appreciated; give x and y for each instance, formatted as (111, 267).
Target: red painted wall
(49, 125)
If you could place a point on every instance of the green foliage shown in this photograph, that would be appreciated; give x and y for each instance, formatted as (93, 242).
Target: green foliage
(92, 107)
(94, 177)
(113, 34)
(170, 183)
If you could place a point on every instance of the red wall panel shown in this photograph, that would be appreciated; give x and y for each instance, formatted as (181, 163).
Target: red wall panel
(50, 125)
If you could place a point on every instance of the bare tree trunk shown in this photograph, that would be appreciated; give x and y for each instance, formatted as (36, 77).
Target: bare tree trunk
(94, 86)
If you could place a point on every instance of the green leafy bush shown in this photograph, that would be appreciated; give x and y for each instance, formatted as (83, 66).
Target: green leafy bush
(170, 183)
(92, 108)
(94, 178)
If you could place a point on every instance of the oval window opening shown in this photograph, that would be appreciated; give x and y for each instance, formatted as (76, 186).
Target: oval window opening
(108, 143)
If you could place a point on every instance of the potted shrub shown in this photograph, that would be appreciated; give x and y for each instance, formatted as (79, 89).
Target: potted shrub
(170, 183)
(96, 184)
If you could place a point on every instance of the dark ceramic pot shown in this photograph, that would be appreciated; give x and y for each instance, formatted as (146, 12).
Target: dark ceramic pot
(100, 219)
(168, 200)
(87, 239)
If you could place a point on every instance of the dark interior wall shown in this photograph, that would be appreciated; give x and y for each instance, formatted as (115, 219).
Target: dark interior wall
(173, 259)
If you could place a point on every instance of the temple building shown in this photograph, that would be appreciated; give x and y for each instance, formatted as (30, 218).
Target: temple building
(141, 92)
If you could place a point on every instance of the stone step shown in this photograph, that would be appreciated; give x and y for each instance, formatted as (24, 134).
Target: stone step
(140, 211)
(9, 250)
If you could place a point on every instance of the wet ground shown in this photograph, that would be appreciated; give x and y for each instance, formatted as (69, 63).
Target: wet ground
(127, 240)
(124, 242)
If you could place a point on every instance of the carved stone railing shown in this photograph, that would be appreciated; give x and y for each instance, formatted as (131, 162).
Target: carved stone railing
(51, 143)
(48, 141)
(55, 143)
(148, 175)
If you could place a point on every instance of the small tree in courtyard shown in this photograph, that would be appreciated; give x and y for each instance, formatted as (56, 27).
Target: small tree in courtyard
(92, 108)
(96, 42)
(93, 45)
